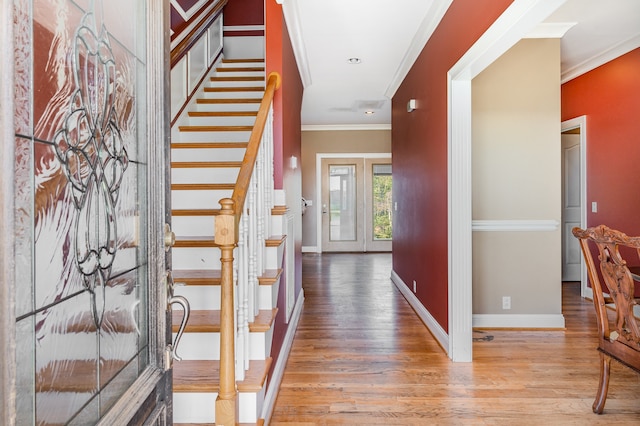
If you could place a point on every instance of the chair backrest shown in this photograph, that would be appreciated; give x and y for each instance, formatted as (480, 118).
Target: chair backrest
(619, 284)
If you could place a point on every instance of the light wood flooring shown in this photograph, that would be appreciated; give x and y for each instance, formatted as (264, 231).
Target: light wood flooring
(361, 356)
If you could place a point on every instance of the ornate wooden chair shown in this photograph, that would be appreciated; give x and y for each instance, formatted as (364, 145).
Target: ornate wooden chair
(619, 333)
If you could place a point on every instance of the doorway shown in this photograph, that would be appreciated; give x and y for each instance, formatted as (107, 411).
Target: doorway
(574, 195)
(356, 204)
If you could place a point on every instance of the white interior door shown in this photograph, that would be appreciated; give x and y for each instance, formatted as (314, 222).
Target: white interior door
(89, 121)
(571, 205)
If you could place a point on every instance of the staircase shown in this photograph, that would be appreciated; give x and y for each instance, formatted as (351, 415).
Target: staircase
(208, 162)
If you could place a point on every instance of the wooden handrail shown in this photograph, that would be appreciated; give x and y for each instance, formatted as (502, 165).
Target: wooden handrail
(227, 236)
(248, 162)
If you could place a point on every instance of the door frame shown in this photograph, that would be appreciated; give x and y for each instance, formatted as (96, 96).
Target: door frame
(143, 400)
(7, 238)
(518, 20)
(319, 157)
(581, 123)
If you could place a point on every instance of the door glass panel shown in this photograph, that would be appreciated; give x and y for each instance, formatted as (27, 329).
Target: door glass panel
(82, 326)
(342, 202)
(382, 202)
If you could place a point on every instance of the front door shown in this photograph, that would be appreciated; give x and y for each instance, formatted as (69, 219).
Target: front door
(356, 204)
(88, 193)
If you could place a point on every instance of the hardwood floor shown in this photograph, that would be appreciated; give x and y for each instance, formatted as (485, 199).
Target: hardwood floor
(361, 356)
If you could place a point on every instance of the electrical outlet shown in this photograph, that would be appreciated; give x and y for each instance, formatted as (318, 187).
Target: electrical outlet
(506, 302)
(414, 286)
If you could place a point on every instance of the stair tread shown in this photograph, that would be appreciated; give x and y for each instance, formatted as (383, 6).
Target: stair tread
(205, 164)
(269, 276)
(203, 376)
(279, 210)
(234, 89)
(195, 212)
(216, 128)
(240, 69)
(236, 60)
(229, 101)
(208, 321)
(203, 186)
(275, 240)
(208, 145)
(237, 78)
(212, 276)
(223, 113)
(195, 242)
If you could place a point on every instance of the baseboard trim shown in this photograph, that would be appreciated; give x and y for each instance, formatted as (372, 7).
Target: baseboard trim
(310, 249)
(436, 329)
(281, 363)
(518, 321)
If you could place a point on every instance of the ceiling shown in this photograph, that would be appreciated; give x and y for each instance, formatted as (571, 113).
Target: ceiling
(387, 40)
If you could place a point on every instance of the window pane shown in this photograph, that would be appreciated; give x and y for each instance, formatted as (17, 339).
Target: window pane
(342, 202)
(382, 196)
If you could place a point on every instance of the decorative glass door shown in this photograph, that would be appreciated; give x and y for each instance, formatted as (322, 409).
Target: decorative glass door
(89, 288)
(356, 204)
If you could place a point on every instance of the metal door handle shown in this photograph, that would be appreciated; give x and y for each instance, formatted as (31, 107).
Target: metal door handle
(169, 237)
(182, 301)
(324, 209)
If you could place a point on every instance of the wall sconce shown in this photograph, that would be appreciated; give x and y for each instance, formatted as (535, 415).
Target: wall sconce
(293, 162)
(411, 105)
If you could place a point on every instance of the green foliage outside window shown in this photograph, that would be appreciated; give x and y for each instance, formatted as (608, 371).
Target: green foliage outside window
(382, 211)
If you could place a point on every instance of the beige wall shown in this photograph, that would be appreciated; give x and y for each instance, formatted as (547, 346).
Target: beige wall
(335, 141)
(516, 176)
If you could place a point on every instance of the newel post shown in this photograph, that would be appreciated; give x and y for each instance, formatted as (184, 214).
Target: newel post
(226, 232)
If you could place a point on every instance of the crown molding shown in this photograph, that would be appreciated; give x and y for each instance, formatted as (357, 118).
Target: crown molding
(424, 32)
(601, 58)
(551, 30)
(292, 18)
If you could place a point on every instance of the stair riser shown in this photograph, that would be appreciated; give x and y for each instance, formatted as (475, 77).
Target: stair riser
(200, 407)
(195, 346)
(232, 83)
(253, 106)
(199, 346)
(268, 296)
(204, 175)
(223, 136)
(220, 73)
(221, 121)
(200, 297)
(195, 258)
(193, 199)
(210, 154)
(243, 94)
(194, 407)
(186, 226)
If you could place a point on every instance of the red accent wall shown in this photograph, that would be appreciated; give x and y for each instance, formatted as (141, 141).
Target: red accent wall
(419, 150)
(244, 12)
(610, 98)
(287, 143)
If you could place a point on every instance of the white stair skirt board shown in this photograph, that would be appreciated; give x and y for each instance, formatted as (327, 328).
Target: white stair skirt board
(436, 329)
(518, 321)
(310, 249)
(281, 363)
